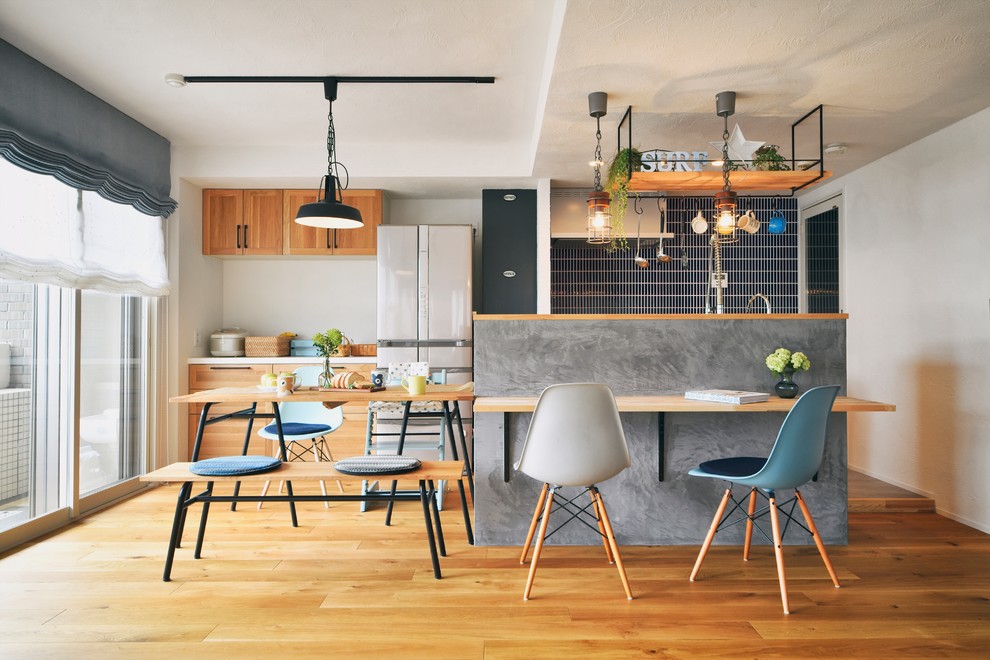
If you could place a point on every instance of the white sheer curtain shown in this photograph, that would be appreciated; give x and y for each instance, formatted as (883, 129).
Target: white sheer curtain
(53, 234)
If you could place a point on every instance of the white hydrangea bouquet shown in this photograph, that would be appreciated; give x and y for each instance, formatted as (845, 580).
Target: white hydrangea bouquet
(784, 360)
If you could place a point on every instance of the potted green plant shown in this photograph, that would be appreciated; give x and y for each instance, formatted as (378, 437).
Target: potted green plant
(768, 158)
(617, 185)
(326, 344)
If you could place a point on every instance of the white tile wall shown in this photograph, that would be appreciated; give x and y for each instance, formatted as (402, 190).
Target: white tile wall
(15, 435)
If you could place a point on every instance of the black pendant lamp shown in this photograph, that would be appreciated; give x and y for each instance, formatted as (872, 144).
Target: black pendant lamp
(330, 212)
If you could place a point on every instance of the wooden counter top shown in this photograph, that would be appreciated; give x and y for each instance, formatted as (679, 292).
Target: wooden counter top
(249, 395)
(677, 403)
(658, 317)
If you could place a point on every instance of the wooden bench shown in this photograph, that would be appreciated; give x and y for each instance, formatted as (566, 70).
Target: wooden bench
(428, 474)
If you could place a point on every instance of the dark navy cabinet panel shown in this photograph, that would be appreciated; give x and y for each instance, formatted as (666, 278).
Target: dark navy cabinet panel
(508, 252)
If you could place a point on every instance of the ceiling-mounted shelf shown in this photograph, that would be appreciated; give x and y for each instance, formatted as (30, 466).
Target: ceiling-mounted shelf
(803, 172)
(740, 180)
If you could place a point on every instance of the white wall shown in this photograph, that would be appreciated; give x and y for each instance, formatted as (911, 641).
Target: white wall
(306, 295)
(916, 232)
(194, 304)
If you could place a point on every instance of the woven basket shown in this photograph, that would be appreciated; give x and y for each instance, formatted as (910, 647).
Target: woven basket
(344, 350)
(266, 346)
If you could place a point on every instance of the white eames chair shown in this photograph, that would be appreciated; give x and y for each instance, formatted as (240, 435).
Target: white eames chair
(305, 426)
(575, 439)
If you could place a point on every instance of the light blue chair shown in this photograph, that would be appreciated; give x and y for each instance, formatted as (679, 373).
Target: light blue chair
(305, 427)
(793, 461)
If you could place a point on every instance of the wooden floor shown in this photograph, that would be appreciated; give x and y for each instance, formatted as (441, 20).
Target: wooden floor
(869, 495)
(342, 585)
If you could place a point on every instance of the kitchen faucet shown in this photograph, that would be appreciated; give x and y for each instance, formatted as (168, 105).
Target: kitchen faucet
(766, 301)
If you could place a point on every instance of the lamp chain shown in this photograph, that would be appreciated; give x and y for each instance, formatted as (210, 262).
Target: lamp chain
(331, 139)
(598, 154)
(725, 156)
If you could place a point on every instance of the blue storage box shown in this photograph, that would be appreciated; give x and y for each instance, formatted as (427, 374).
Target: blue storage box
(302, 348)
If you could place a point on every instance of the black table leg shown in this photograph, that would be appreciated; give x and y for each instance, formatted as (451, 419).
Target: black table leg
(244, 451)
(448, 420)
(425, 499)
(173, 542)
(402, 442)
(460, 482)
(285, 459)
(506, 448)
(202, 521)
(661, 446)
(432, 496)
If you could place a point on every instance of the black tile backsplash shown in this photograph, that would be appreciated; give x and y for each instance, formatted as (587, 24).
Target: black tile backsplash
(590, 280)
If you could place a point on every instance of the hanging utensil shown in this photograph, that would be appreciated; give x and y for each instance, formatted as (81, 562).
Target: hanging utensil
(683, 253)
(638, 260)
(661, 256)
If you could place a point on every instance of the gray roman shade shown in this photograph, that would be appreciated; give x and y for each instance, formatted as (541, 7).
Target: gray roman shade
(50, 125)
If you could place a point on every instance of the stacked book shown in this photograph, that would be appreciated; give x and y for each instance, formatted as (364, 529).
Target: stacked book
(726, 396)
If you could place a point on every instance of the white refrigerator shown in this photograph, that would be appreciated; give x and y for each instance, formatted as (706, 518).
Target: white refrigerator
(425, 300)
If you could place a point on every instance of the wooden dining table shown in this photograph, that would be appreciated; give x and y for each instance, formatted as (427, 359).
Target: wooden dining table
(250, 397)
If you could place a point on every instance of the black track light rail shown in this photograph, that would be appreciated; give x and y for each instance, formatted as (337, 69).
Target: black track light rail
(480, 80)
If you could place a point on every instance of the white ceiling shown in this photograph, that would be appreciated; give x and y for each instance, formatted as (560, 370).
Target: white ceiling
(887, 71)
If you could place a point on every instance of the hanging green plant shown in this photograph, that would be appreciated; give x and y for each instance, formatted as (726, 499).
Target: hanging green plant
(617, 185)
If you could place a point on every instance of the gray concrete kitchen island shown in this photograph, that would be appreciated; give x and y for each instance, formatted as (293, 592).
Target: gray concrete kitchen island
(646, 355)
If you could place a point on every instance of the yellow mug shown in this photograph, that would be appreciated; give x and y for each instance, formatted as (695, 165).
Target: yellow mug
(415, 384)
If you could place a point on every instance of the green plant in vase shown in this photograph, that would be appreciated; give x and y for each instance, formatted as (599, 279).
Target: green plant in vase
(617, 185)
(326, 344)
(783, 363)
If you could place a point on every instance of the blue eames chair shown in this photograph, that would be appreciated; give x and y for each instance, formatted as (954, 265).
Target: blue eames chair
(575, 438)
(793, 461)
(305, 426)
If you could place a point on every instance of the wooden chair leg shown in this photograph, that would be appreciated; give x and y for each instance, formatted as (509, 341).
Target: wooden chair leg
(532, 524)
(268, 483)
(539, 544)
(817, 537)
(327, 455)
(778, 549)
(711, 533)
(749, 524)
(316, 457)
(610, 537)
(601, 526)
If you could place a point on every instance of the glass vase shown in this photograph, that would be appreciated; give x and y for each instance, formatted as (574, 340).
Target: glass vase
(327, 375)
(786, 388)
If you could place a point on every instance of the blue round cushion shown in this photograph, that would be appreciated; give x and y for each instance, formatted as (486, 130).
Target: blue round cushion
(377, 464)
(232, 466)
(297, 428)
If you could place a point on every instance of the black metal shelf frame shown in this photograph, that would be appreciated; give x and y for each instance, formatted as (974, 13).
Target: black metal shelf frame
(820, 162)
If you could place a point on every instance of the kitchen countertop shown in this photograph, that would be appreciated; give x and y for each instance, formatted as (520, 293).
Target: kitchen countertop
(291, 359)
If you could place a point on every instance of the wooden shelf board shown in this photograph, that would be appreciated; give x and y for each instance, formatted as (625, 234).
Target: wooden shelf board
(712, 180)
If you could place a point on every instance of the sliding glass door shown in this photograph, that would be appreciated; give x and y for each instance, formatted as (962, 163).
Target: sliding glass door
(112, 371)
(73, 412)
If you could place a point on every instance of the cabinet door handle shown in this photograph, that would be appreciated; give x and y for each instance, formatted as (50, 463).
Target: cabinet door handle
(238, 237)
(335, 239)
(227, 368)
(245, 237)
(328, 239)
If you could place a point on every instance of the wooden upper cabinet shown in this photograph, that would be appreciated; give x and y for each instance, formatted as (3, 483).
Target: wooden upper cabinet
(242, 222)
(300, 239)
(222, 214)
(262, 222)
(262, 233)
(365, 239)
